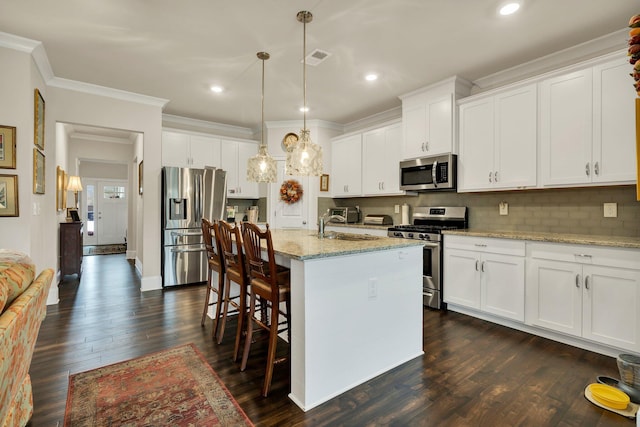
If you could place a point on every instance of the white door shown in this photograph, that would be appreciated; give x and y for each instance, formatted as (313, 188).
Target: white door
(105, 205)
(285, 215)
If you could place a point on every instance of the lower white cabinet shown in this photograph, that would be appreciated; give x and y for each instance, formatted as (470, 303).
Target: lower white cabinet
(592, 293)
(485, 274)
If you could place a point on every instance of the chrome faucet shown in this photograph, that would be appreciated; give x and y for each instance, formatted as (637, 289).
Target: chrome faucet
(323, 219)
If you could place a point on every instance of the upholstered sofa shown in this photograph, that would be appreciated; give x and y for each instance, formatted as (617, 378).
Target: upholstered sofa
(22, 309)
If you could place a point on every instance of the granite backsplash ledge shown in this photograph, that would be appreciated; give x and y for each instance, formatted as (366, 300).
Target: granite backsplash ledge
(566, 210)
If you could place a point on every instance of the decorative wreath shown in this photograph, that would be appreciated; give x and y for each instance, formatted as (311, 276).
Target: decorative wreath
(291, 191)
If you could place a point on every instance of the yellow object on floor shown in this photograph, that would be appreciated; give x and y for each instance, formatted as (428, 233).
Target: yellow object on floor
(629, 410)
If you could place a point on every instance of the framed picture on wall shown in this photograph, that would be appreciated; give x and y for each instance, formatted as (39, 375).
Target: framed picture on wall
(8, 195)
(7, 147)
(324, 182)
(38, 172)
(61, 189)
(38, 120)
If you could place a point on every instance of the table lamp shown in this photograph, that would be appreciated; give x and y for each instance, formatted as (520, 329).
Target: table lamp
(74, 185)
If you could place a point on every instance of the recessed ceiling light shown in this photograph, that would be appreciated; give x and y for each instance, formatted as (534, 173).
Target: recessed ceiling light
(304, 109)
(509, 8)
(216, 89)
(371, 77)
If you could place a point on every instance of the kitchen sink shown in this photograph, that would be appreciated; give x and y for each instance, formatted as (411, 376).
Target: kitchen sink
(348, 236)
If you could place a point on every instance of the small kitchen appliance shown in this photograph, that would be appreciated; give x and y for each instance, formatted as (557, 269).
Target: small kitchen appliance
(429, 173)
(427, 224)
(373, 219)
(350, 215)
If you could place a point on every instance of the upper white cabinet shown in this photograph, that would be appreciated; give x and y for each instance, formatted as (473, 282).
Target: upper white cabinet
(429, 118)
(189, 151)
(346, 166)
(234, 156)
(380, 161)
(498, 141)
(587, 125)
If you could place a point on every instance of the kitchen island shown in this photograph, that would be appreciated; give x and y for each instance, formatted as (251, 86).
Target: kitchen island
(356, 309)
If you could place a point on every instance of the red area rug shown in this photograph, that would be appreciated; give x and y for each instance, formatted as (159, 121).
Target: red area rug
(175, 387)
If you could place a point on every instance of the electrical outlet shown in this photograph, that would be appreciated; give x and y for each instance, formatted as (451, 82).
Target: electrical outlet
(504, 208)
(610, 210)
(397, 209)
(373, 288)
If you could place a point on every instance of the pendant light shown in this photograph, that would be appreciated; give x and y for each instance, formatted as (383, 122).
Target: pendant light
(262, 167)
(305, 159)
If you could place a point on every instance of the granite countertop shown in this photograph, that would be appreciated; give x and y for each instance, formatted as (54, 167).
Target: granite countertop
(305, 244)
(537, 236)
(357, 225)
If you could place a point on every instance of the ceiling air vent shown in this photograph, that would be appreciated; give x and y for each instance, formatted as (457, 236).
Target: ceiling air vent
(317, 56)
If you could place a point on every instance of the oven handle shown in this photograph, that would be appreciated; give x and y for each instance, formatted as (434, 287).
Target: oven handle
(432, 245)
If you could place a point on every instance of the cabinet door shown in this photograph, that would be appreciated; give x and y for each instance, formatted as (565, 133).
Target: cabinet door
(414, 120)
(613, 123)
(229, 162)
(502, 285)
(611, 306)
(204, 151)
(175, 149)
(380, 161)
(461, 278)
(246, 150)
(440, 126)
(566, 128)
(346, 164)
(554, 296)
(516, 136)
(475, 161)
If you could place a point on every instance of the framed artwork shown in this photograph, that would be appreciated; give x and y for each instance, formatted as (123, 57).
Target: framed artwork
(38, 120)
(61, 192)
(9, 195)
(140, 170)
(38, 172)
(7, 147)
(324, 182)
(73, 213)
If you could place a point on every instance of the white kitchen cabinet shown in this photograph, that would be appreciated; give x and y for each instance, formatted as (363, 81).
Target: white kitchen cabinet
(429, 118)
(380, 161)
(485, 274)
(186, 150)
(585, 292)
(346, 166)
(234, 156)
(498, 141)
(587, 126)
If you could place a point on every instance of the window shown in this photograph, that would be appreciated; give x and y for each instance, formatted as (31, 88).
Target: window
(113, 192)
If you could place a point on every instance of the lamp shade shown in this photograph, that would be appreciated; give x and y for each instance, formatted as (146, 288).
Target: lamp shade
(74, 183)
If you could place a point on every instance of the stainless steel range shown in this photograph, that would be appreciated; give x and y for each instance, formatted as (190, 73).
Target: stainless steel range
(427, 223)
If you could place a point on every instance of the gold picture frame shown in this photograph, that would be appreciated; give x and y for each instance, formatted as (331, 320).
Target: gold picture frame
(38, 171)
(324, 182)
(9, 195)
(140, 171)
(7, 147)
(38, 120)
(61, 192)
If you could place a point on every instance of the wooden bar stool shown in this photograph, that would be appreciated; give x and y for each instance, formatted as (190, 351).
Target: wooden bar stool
(271, 283)
(235, 271)
(215, 264)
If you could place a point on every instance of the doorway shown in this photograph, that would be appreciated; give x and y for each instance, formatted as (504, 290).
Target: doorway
(294, 215)
(104, 208)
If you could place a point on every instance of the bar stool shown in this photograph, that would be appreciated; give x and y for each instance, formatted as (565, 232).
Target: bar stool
(271, 283)
(235, 271)
(215, 264)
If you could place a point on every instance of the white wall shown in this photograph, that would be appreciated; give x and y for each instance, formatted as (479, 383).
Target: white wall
(104, 170)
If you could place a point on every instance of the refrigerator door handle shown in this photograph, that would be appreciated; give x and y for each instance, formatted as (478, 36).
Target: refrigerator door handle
(179, 251)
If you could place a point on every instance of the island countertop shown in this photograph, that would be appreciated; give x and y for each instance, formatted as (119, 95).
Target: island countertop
(538, 236)
(305, 244)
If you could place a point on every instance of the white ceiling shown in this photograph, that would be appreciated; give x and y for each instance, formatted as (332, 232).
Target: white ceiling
(177, 50)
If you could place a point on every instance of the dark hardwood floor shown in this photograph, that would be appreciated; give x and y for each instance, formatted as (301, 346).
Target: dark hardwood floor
(473, 372)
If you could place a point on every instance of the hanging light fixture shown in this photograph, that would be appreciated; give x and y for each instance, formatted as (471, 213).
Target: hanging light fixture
(305, 158)
(262, 167)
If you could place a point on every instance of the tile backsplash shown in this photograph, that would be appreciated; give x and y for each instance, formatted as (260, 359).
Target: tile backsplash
(567, 210)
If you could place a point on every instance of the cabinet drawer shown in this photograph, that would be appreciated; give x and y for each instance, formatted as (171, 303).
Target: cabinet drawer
(486, 244)
(591, 255)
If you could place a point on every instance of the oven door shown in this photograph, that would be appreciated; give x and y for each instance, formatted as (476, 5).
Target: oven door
(431, 283)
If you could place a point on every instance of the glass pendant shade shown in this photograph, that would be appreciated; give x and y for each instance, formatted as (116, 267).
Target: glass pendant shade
(262, 167)
(305, 158)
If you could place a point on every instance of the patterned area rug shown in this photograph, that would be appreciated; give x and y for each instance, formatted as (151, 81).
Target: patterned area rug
(104, 250)
(174, 387)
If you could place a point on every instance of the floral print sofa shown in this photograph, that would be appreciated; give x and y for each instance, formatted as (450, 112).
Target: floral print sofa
(22, 310)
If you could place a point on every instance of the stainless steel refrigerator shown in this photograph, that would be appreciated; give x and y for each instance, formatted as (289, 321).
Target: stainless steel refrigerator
(188, 195)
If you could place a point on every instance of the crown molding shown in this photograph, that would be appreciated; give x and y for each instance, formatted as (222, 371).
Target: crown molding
(297, 124)
(107, 92)
(33, 47)
(376, 120)
(581, 52)
(169, 120)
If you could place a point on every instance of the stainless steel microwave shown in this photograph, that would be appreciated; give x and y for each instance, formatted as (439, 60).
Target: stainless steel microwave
(429, 173)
